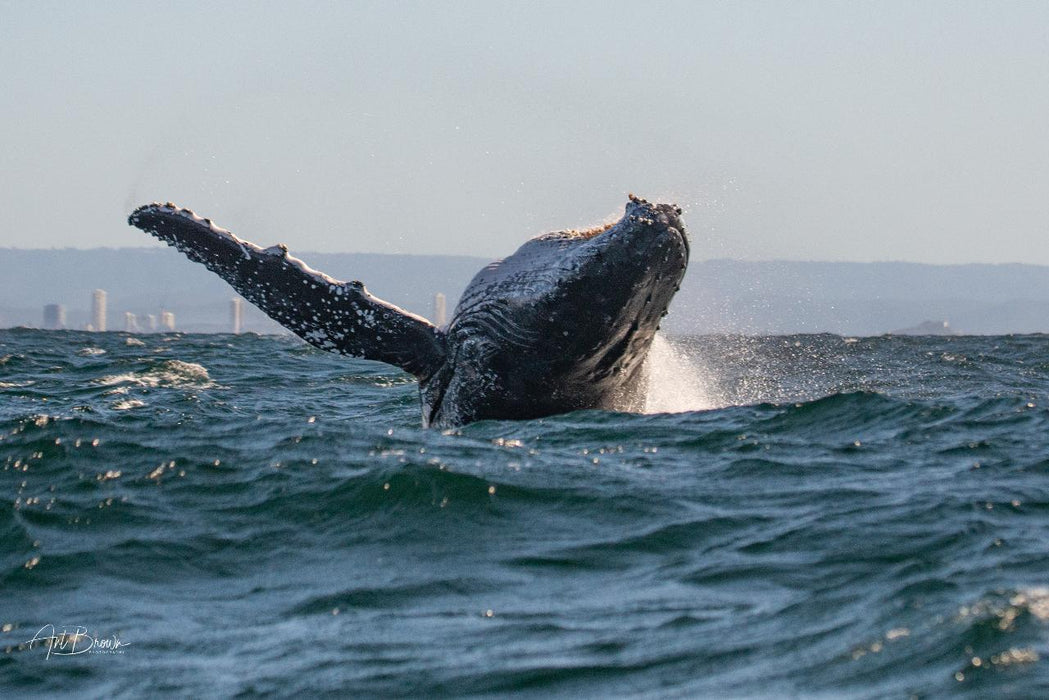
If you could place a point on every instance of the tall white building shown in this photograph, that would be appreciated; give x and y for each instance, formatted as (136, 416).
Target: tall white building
(130, 322)
(236, 315)
(440, 310)
(167, 320)
(98, 310)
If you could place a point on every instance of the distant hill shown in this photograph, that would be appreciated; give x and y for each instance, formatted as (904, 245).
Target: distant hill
(860, 298)
(717, 296)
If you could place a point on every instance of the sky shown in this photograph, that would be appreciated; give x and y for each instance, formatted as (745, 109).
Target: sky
(844, 131)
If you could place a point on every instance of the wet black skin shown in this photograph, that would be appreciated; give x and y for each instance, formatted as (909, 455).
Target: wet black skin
(565, 323)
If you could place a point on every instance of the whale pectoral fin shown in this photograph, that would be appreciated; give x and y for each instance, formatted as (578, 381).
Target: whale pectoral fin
(332, 315)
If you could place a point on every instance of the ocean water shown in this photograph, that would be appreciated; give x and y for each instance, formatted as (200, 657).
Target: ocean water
(242, 515)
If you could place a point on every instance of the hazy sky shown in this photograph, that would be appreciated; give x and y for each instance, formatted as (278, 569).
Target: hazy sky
(834, 131)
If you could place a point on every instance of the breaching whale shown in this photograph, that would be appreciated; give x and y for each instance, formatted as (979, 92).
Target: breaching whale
(564, 323)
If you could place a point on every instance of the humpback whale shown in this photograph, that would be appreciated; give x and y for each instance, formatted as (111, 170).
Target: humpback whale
(565, 323)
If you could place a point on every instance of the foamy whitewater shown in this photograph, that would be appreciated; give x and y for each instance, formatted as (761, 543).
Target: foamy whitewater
(799, 516)
(674, 384)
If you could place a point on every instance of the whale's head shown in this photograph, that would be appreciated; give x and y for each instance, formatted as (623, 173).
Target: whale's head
(565, 322)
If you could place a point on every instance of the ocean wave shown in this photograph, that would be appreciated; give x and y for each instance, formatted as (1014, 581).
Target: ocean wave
(855, 519)
(128, 404)
(169, 373)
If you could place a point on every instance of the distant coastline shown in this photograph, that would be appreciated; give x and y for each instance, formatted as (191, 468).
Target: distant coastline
(717, 296)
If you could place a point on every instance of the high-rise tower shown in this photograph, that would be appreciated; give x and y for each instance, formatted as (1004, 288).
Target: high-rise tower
(54, 317)
(236, 315)
(440, 310)
(98, 310)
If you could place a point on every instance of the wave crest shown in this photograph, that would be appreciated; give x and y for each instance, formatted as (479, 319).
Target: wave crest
(170, 373)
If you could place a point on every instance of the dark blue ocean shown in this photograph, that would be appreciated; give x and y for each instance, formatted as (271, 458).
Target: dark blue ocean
(209, 515)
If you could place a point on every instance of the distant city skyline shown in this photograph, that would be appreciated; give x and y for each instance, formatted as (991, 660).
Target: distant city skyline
(802, 131)
(54, 317)
(716, 296)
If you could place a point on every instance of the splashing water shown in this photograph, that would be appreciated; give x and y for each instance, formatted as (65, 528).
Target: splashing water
(675, 384)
